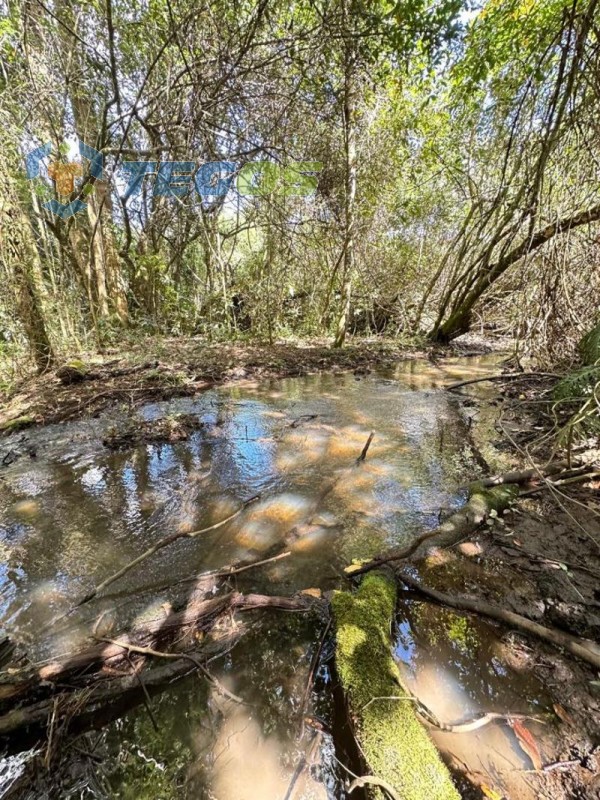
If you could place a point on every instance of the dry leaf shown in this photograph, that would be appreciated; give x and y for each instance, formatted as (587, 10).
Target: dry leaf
(352, 568)
(564, 715)
(312, 592)
(527, 743)
(491, 793)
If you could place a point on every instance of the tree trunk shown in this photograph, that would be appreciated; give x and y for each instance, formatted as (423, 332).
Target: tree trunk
(350, 57)
(460, 313)
(20, 256)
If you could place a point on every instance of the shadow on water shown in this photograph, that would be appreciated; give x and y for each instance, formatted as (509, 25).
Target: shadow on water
(80, 512)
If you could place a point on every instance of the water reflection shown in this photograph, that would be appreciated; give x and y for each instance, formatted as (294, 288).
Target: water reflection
(456, 665)
(80, 512)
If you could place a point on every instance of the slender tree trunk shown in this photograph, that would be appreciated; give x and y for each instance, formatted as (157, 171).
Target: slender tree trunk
(97, 260)
(460, 314)
(350, 188)
(21, 259)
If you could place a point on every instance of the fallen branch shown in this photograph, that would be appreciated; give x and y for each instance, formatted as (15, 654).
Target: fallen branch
(371, 780)
(558, 484)
(174, 537)
(304, 762)
(76, 703)
(148, 651)
(470, 725)
(91, 664)
(583, 649)
(507, 376)
(311, 674)
(522, 476)
(460, 524)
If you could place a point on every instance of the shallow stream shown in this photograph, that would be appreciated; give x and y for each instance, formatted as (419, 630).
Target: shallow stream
(77, 511)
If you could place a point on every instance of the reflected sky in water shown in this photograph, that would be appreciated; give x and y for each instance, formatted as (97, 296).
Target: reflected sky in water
(79, 512)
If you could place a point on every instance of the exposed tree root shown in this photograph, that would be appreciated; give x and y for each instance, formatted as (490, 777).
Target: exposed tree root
(460, 524)
(492, 494)
(584, 649)
(521, 476)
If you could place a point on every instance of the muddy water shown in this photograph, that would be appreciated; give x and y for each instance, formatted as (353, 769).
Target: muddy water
(77, 512)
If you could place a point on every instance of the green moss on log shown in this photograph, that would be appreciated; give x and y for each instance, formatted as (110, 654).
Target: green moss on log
(17, 424)
(396, 746)
(496, 498)
(476, 510)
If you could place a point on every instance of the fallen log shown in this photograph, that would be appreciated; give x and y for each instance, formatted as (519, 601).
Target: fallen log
(396, 747)
(462, 523)
(91, 664)
(561, 481)
(75, 703)
(520, 476)
(584, 649)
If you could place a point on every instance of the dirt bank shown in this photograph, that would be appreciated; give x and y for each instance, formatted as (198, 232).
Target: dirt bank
(158, 369)
(541, 559)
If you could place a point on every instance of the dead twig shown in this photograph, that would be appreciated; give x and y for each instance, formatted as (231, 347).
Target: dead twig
(372, 780)
(508, 376)
(132, 648)
(311, 674)
(174, 537)
(365, 449)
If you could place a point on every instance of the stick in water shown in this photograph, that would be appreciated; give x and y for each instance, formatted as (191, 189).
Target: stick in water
(159, 546)
(365, 449)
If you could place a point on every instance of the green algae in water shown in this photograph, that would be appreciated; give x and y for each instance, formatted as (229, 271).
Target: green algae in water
(396, 746)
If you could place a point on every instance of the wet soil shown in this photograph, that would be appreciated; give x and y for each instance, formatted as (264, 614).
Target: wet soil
(160, 369)
(541, 559)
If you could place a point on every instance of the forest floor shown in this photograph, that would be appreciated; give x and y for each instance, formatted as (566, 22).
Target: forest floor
(160, 368)
(541, 559)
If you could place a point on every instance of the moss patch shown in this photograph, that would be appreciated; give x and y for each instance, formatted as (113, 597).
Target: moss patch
(396, 746)
(498, 498)
(17, 424)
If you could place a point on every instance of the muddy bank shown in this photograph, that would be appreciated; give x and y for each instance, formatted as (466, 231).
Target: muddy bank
(160, 369)
(540, 559)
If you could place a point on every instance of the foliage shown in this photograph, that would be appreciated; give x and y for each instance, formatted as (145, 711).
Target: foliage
(474, 126)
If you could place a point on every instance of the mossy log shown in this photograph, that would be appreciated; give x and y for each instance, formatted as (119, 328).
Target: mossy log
(462, 523)
(17, 423)
(396, 747)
